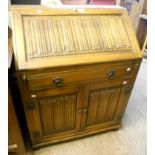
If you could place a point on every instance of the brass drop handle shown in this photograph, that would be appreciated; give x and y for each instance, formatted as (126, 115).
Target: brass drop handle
(111, 74)
(58, 82)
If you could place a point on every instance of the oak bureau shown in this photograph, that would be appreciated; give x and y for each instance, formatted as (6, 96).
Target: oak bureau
(75, 67)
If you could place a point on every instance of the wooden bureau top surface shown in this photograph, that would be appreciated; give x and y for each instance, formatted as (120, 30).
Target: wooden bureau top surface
(52, 37)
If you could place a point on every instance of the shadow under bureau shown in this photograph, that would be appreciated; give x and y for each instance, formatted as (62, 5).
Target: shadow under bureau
(75, 69)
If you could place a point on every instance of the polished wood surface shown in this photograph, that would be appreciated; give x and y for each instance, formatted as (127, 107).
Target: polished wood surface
(85, 95)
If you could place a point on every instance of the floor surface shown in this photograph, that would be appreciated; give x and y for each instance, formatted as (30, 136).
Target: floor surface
(129, 140)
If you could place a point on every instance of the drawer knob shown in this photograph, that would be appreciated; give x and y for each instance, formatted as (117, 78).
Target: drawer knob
(58, 82)
(111, 74)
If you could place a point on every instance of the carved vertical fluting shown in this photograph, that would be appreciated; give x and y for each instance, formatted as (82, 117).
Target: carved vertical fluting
(67, 35)
(102, 105)
(58, 113)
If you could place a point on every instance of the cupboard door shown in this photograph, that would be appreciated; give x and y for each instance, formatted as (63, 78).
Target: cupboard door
(58, 113)
(104, 105)
(54, 113)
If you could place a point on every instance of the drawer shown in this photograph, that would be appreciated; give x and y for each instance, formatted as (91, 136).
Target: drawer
(56, 79)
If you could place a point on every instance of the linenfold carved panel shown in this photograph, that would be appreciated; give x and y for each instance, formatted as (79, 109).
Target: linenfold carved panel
(102, 105)
(58, 113)
(47, 36)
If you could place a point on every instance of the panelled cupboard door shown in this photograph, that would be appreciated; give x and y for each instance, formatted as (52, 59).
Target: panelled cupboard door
(104, 105)
(54, 113)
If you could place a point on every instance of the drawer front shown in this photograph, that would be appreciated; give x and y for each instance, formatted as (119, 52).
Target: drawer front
(64, 78)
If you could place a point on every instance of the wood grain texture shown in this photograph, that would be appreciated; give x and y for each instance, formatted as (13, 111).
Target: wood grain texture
(52, 37)
(53, 117)
(58, 113)
(79, 64)
(102, 105)
(54, 114)
(81, 75)
(68, 35)
(131, 139)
